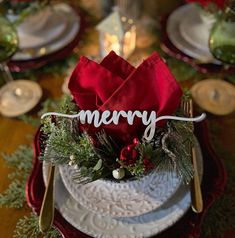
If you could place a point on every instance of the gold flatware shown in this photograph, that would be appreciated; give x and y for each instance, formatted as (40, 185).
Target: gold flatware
(195, 186)
(46, 216)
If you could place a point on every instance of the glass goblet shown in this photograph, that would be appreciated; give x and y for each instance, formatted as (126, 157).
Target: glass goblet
(15, 95)
(8, 46)
(222, 37)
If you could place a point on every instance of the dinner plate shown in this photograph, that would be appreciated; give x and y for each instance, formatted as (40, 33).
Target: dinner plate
(53, 29)
(173, 30)
(11, 102)
(213, 184)
(67, 36)
(97, 225)
(195, 28)
(121, 199)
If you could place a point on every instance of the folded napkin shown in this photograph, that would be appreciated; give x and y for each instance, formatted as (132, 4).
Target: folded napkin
(114, 84)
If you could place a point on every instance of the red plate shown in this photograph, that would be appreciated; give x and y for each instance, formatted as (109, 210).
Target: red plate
(213, 184)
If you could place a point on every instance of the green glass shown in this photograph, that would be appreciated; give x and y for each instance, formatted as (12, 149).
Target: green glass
(14, 93)
(222, 37)
(8, 39)
(8, 46)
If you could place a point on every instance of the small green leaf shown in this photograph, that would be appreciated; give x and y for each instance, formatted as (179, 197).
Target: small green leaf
(98, 165)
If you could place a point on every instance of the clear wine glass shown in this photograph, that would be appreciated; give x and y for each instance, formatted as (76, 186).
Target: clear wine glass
(14, 96)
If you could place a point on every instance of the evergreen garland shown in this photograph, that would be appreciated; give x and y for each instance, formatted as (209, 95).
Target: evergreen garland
(14, 195)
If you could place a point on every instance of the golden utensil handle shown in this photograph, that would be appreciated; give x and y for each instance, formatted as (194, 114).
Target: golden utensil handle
(46, 216)
(196, 194)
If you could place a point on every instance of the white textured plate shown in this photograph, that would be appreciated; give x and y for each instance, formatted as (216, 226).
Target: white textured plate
(14, 101)
(174, 34)
(146, 225)
(72, 28)
(54, 27)
(123, 199)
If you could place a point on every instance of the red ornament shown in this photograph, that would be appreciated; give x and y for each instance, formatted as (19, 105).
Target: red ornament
(129, 154)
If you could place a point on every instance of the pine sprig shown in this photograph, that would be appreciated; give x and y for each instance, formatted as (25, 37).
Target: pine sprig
(28, 227)
(65, 144)
(29, 120)
(175, 158)
(21, 161)
(181, 70)
(14, 195)
(66, 105)
(109, 147)
(46, 106)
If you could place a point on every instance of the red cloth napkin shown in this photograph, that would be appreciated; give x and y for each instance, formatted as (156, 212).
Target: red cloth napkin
(114, 84)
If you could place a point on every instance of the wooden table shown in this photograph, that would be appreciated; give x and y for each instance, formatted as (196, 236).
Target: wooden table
(14, 132)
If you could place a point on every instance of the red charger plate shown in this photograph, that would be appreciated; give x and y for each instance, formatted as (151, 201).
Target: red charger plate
(189, 226)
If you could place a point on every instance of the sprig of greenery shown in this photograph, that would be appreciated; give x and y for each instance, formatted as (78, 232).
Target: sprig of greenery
(21, 160)
(35, 122)
(14, 195)
(46, 106)
(65, 144)
(108, 148)
(28, 227)
(178, 158)
(181, 70)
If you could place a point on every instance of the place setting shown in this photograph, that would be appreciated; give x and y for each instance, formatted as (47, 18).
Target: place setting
(49, 34)
(188, 34)
(104, 182)
(118, 140)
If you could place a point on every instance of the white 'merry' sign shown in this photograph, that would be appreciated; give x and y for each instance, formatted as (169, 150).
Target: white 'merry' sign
(149, 119)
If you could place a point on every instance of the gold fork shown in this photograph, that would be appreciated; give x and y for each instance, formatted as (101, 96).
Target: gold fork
(195, 187)
(46, 216)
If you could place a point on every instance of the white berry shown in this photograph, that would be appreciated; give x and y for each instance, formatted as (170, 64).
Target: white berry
(118, 173)
(72, 157)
